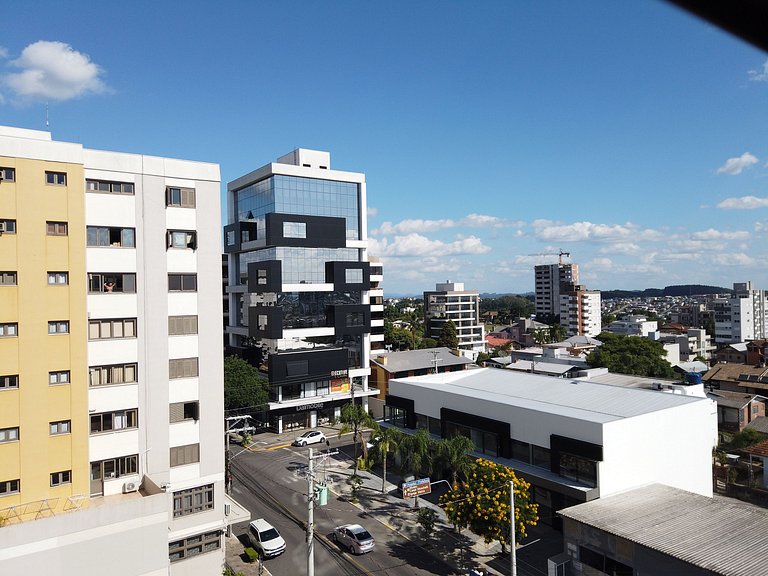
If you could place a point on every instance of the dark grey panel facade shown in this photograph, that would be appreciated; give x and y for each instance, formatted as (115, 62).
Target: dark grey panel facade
(318, 231)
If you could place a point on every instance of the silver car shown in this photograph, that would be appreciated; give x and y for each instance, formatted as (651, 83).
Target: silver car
(354, 538)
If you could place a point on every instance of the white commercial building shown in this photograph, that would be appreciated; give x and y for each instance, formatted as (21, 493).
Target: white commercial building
(144, 492)
(574, 440)
(743, 316)
(633, 326)
(451, 302)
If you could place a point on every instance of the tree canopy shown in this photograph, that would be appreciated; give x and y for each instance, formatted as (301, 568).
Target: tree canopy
(355, 419)
(481, 503)
(244, 387)
(631, 355)
(509, 307)
(448, 337)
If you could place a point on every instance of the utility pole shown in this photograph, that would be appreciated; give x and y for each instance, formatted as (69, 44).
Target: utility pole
(512, 552)
(311, 515)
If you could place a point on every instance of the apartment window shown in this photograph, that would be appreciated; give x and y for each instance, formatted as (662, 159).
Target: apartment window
(60, 377)
(60, 427)
(9, 382)
(182, 282)
(113, 237)
(294, 230)
(110, 282)
(183, 368)
(353, 276)
(10, 487)
(58, 278)
(7, 226)
(9, 330)
(115, 374)
(7, 278)
(188, 454)
(182, 325)
(59, 478)
(181, 239)
(194, 545)
(58, 327)
(8, 174)
(181, 411)
(115, 467)
(111, 421)
(112, 328)
(193, 500)
(9, 434)
(56, 228)
(181, 197)
(56, 178)
(108, 187)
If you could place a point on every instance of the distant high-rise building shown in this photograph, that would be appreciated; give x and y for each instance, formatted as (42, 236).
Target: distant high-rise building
(300, 285)
(549, 279)
(742, 316)
(450, 301)
(580, 312)
(111, 392)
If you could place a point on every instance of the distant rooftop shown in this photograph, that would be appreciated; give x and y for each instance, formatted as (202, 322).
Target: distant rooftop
(417, 359)
(567, 397)
(720, 535)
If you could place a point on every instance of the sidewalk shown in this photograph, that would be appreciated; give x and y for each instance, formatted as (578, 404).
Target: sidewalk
(460, 551)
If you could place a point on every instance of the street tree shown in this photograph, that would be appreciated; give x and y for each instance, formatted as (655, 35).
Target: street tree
(354, 418)
(427, 518)
(244, 387)
(448, 337)
(453, 454)
(481, 503)
(631, 355)
(416, 453)
(388, 441)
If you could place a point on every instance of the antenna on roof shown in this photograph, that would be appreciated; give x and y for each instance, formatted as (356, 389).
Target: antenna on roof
(47, 123)
(435, 359)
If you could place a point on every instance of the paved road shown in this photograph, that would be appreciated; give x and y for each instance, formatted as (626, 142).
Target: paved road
(272, 485)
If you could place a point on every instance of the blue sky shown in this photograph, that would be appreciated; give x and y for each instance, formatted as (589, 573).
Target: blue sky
(630, 134)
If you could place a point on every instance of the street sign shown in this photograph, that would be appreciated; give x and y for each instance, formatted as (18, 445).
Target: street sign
(416, 488)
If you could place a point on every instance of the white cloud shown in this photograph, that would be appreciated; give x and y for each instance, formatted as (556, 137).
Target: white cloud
(3, 52)
(548, 231)
(418, 245)
(54, 71)
(743, 203)
(372, 212)
(734, 166)
(760, 75)
(628, 248)
(712, 234)
(419, 225)
(731, 259)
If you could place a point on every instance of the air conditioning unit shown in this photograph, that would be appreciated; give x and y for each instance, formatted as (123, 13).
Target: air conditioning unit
(227, 509)
(130, 487)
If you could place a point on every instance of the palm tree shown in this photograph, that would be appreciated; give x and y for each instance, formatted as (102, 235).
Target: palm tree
(453, 454)
(416, 452)
(354, 418)
(389, 440)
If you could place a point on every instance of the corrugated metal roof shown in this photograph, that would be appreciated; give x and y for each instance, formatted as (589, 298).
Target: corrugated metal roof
(574, 398)
(720, 534)
(418, 359)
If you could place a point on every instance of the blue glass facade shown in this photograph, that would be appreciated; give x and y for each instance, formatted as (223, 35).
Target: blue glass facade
(300, 265)
(295, 195)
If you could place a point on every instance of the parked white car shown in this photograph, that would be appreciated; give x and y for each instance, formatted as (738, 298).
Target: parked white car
(265, 538)
(354, 538)
(309, 437)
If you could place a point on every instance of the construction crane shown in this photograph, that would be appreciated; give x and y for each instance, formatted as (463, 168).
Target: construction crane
(559, 254)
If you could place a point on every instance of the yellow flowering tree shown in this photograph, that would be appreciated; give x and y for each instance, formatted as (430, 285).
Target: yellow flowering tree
(481, 503)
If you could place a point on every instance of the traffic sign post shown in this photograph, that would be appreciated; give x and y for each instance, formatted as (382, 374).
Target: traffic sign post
(416, 488)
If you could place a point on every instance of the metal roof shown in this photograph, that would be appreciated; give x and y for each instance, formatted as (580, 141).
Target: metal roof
(720, 534)
(760, 424)
(418, 359)
(567, 397)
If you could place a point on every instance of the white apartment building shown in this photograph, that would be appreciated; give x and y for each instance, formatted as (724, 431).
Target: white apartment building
(634, 325)
(450, 301)
(580, 311)
(549, 279)
(743, 316)
(573, 440)
(131, 247)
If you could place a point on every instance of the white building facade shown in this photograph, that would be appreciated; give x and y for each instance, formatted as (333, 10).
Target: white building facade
(451, 302)
(155, 500)
(549, 278)
(743, 316)
(580, 311)
(574, 441)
